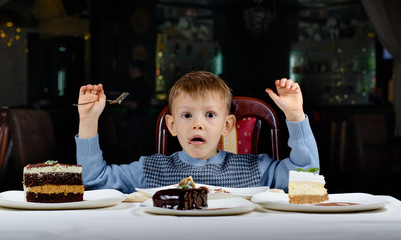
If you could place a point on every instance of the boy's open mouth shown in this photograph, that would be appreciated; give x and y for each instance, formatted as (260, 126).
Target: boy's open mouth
(197, 140)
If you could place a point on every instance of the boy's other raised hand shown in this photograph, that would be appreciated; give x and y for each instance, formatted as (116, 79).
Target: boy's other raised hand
(90, 93)
(288, 99)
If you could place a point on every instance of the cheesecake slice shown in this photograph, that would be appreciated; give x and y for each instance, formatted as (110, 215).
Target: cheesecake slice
(306, 187)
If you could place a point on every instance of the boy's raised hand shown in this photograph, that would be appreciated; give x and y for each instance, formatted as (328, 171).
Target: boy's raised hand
(90, 93)
(89, 113)
(288, 99)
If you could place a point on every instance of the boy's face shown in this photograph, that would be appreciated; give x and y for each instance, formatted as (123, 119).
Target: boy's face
(199, 123)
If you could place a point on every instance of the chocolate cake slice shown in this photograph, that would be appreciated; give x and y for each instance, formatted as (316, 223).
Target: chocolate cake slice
(181, 199)
(185, 197)
(52, 182)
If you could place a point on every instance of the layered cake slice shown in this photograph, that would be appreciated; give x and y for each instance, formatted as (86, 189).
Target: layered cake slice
(306, 187)
(185, 197)
(52, 182)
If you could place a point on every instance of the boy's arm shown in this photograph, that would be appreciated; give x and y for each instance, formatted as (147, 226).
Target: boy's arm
(304, 152)
(89, 113)
(96, 174)
(288, 99)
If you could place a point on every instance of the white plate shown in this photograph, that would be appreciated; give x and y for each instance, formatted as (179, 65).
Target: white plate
(279, 201)
(92, 199)
(228, 206)
(214, 192)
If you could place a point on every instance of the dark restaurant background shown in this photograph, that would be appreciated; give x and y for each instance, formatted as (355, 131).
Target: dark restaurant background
(49, 48)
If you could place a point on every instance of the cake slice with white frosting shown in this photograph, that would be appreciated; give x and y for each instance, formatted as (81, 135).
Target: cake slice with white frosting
(53, 182)
(306, 187)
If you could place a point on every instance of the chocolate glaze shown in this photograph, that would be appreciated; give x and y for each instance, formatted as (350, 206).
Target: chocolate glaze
(181, 199)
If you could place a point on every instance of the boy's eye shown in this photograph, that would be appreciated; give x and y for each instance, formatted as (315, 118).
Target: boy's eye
(210, 115)
(186, 115)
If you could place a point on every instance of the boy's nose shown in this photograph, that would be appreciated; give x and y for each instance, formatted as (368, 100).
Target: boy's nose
(198, 125)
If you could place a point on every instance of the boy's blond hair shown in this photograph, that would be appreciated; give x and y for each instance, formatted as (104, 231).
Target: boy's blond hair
(196, 84)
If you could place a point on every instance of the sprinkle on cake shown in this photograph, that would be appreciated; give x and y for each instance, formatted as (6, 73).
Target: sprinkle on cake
(53, 182)
(306, 187)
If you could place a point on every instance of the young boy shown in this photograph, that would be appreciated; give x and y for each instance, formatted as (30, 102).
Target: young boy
(200, 105)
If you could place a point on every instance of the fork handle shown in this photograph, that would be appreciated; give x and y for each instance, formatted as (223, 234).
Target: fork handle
(77, 104)
(109, 101)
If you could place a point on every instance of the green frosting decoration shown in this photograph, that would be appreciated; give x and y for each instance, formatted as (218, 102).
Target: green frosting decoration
(311, 170)
(187, 185)
(51, 162)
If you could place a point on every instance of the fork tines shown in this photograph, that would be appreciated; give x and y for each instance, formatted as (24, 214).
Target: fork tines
(120, 98)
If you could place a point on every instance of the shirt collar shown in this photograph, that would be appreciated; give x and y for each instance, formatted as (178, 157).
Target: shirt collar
(215, 159)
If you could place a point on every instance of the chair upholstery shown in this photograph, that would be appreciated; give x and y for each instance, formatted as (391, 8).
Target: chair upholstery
(239, 140)
(250, 114)
(4, 140)
(33, 138)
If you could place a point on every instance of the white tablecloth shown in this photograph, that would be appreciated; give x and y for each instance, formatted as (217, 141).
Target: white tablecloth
(129, 221)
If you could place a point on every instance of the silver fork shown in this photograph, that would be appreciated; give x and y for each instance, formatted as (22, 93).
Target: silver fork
(117, 100)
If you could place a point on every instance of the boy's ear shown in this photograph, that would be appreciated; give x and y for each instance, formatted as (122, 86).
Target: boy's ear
(171, 124)
(228, 126)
